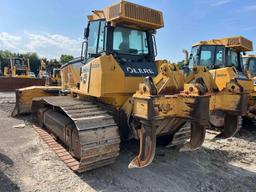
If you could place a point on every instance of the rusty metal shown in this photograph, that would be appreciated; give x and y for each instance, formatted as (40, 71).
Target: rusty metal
(190, 136)
(227, 124)
(232, 125)
(13, 83)
(197, 137)
(59, 150)
(147, 136)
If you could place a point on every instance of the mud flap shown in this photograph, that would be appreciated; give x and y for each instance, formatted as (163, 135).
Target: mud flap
(197, 137)
(147, 136)
(232, 125)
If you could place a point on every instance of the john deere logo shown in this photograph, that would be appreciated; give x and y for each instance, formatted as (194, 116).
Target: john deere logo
(139, 71)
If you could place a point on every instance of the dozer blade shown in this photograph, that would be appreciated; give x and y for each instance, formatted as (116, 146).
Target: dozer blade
(25, 96)
(147, 136)
(13, 83)
(231, 126)
(196, 138)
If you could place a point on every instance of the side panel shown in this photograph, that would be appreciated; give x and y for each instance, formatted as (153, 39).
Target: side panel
(103, 77)
(223, 76)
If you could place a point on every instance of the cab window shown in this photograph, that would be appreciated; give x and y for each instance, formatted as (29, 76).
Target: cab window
(207, 56)
(252, 66)
(96, 37)
(232, 59)
(219, 60)
(193, 59)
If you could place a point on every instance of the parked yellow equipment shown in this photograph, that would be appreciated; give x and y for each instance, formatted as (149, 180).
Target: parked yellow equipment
(50, 70)
(249, 62)
(18, 75)
(228, 86)
(18, 67)
(121, 92)
(70, 75)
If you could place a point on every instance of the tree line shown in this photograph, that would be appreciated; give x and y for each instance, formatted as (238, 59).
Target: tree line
(34, 59)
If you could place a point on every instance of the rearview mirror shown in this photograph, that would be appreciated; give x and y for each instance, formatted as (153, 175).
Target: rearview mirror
(86, 32)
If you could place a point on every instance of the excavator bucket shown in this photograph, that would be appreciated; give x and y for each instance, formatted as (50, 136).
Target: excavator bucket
(25, 96)
(13, 83)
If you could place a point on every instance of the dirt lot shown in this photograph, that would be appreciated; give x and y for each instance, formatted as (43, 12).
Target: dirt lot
(27, 164)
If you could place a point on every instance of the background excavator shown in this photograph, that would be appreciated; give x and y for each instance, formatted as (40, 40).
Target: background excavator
(118, 91)
(225, 80)
(17, 75)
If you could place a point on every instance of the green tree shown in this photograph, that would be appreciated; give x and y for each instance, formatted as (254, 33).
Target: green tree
(181, 64)
(4, 57)
(65, 58)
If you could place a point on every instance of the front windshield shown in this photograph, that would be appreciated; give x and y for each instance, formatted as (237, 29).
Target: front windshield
(209, 56)
(130, 41)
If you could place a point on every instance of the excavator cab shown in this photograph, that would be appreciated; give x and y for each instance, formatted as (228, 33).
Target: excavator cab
(226, 79)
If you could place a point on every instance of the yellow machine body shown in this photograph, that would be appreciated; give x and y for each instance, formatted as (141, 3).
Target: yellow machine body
(225, 81)
(19, 69)
(249, 62)
(123, 86)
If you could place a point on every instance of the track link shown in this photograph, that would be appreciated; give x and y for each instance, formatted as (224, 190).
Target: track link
(97, 131)
(182, 136)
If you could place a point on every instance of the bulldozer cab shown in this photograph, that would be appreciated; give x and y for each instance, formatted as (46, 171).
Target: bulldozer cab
(131, 44)
(215, 57)
(132, 48)
(19, 66)
(223, 58)
(249, 63)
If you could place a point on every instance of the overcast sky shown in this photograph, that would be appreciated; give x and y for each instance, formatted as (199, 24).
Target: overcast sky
(54, 27)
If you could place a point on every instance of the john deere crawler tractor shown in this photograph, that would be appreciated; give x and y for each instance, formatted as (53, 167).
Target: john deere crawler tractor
(249, 62)
(122, 92)
(225, 80)
(17, 74)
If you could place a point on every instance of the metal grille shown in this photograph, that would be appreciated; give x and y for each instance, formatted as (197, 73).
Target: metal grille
(136, 14)
(142, 13)
(246, 43)
(114, 11)
(241, 43)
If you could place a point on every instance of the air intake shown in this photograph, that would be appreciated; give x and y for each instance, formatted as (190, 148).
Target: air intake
(133, 14)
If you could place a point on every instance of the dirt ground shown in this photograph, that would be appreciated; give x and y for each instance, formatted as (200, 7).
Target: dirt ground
(27, 164)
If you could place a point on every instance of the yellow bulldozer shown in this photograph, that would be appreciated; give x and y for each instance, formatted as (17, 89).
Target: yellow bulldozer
(225, 81)
(18, 67)
(17, 74)
(249, 62)
(50, 70)
(118, 91)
